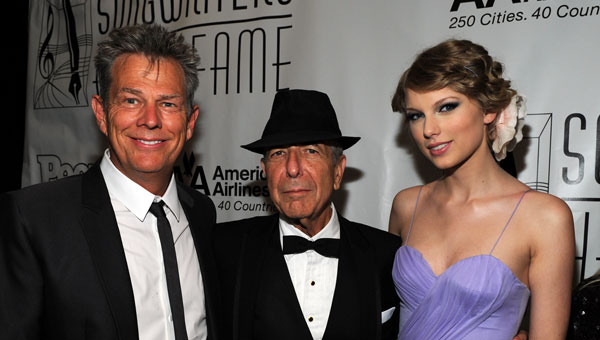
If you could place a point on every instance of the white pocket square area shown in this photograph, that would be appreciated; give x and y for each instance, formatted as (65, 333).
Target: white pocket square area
(387, 314)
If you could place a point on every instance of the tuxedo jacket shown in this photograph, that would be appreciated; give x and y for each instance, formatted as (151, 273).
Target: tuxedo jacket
(63, 273)
(259, 300)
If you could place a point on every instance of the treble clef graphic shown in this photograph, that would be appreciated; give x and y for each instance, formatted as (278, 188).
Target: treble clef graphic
(75, 84)
(46, 58)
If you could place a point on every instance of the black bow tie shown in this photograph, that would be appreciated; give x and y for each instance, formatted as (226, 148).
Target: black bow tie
(328, 247)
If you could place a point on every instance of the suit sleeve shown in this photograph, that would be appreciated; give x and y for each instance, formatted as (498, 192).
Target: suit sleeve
(21, 281)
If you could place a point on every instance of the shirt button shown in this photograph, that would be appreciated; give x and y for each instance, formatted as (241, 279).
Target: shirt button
(171, 317)
(310, 319)
(312, 283)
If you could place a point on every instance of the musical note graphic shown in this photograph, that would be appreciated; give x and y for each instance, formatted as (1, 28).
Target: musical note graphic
(46, 58)
(63, 55)
(75, 83)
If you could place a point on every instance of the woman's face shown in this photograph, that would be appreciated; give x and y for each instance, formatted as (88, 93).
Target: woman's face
(448, 127)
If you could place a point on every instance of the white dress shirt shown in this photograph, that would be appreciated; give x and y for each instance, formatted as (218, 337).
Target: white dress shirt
(313, 275)
(139, 234)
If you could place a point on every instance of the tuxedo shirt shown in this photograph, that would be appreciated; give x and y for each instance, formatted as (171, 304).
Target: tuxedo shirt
(143, 254)
(313, 275)
(259, 298)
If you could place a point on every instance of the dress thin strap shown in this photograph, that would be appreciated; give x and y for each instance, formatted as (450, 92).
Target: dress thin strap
(412, 218)
(509, 219)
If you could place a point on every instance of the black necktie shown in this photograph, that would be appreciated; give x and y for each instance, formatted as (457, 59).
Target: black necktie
(328, 247)
(170, 261)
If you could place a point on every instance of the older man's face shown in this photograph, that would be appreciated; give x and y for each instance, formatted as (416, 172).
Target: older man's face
(301, 179)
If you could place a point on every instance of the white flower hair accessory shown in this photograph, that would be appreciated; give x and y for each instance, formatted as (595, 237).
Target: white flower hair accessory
(509, 124)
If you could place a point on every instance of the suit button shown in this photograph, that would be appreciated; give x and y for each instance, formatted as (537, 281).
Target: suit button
(310, 319)
(312, 283)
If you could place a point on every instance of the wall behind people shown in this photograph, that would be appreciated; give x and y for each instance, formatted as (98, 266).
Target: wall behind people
(353, 50)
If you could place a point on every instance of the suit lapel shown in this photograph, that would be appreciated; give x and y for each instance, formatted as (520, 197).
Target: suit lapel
(264, 273)
(201, 220)
(106, 249)
(356, 284)
(357, 287)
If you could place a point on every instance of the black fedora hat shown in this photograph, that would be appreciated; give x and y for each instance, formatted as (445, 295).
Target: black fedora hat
(300, 116)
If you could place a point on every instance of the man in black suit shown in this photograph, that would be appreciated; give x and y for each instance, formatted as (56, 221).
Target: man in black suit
(307, 272)
(122, 251)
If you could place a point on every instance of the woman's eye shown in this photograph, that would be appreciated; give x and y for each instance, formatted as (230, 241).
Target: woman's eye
(448, 107)
(413, 116)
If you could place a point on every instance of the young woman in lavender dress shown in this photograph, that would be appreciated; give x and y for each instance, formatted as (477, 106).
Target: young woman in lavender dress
(477, 243)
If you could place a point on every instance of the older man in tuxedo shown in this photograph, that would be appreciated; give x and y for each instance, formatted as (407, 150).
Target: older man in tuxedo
(306, 272)
(122, 251)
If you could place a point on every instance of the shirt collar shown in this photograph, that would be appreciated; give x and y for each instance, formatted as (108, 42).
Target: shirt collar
(133, 196)
(331, 229)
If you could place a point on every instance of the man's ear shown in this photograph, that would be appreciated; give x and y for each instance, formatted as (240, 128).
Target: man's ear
(191, 123)
(99, 112)
(338, 172)
(263, 166)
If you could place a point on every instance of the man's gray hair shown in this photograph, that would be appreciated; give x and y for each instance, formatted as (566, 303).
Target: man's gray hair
(336, 153)
(154, 42)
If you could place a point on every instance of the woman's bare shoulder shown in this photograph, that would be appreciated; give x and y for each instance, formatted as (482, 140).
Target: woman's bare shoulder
(402, 209)
(547, 206)
(408, 195)
(549, 223)
(546, 215)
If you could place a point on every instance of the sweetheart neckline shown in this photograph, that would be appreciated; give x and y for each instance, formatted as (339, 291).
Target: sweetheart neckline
(462, 260)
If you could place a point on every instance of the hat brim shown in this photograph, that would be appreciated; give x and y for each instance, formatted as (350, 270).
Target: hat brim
(273, 141)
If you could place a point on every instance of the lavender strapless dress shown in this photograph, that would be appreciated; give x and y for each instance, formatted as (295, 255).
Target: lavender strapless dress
(478, 297)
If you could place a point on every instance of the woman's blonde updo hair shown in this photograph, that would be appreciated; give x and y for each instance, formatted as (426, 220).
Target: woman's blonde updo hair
(464, 67)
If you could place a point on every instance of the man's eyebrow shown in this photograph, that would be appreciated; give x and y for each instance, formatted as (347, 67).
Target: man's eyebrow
(130, 90)
(170, 96)
(139, 93)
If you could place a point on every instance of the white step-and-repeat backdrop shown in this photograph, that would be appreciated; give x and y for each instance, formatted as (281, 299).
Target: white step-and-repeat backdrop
(355, 51)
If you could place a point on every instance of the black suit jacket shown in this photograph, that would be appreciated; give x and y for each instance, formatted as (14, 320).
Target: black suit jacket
(254, 279)
(63, 273)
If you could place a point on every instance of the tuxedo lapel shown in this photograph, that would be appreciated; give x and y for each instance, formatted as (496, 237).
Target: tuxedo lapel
(201, 220)
(266, 302)
(106, 249)
(357, 290)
